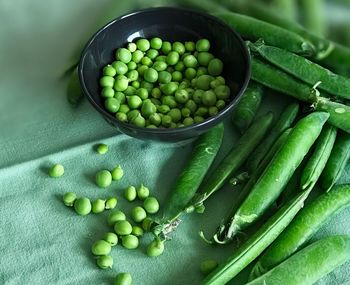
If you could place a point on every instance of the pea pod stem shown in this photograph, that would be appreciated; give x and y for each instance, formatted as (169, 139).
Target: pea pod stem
(309, 264)
(308, 221)
(257, 243)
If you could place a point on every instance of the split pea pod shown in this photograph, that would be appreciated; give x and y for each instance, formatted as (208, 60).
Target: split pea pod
(308, 221)
(304, 69)
(285, 121)
(309, 264)
(337, 161)
(277, 174)
(286, 84)
(245, 111)
(257, 243)
(320, 156)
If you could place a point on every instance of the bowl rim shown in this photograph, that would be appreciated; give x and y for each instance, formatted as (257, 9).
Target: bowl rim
(194, 126)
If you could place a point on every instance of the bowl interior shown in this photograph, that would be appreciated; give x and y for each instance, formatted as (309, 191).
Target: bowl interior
(171, 24)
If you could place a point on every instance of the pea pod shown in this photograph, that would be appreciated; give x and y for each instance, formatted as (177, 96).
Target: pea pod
(302, 228)
(304, 69)
(285, 121)
(309, 264)
(286, 84)
(244, 113)
(276, 175)
(337, 161)
(319, 158)
(257, 243)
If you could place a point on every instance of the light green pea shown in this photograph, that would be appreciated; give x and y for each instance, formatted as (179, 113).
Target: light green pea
(169, 88)
(134, 101)
(151, 205)
(222, 92)
(57, 170)
(120, 67)
(139, 121)
(166, 47)
(143, 44)
(102, 148)
(220, 104)
(142, 192)
(209, 98)
(160, 66)
(156, 93)
(181, 96)
(130, 193)
(121, 117)
(107, 92)
(156, 43)
(123, 55)
(137, 231)
(164, 77)
(155, 248)
(166, 121)
(138, 214)
(107, 81)
(203, 82)
(132, 114)
(98, 206)
(175, 115)
(101, 247)
(188, 121)
(130, 241)
(124, 108)
(103, 178)
(69, 198)
(123, 279)
(155, 119)
(202, 45)
(121, 83)
(178, 47)
(112, 105)
(190, 46)
(151, 75)
(147, 109)
(132, 75)
(122, 227)
(146, 61)
(169, 101)
(147, 85)
(132, 47)
(215, 67)
(137, 56)
(176, 76)
(109, 71)
(190, 61)
(111, 203)
(204, 58)
(147, 224)
(104, 261)
(152, 54)
(172, 58)
(142, 93)
(111, 238)
(161, 58)
(117, 173)
(208, 266)
(115, 216)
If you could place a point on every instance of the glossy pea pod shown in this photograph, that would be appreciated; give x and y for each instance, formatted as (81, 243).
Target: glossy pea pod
(257, 243)
(304, 69)
(308, 221)
(276, 175)
(245, 111)
(233, 160)
(285, 121)
(309, 264)
(337, 161)
(278, 80)
(320, 156)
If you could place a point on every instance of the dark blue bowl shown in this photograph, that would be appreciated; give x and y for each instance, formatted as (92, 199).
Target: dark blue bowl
(172, 24)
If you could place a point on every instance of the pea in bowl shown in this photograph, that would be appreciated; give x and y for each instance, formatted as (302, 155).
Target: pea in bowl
(166, 74)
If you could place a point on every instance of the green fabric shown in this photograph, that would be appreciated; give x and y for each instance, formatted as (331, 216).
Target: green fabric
(41, 240)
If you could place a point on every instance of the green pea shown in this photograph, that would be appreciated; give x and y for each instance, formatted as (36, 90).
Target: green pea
(115, 216)
(104, 261)
(152, 54)
(172, 58)
(188, 121)
(130, 193)
(134, 101)
(57, 170)
(220, 104)
(135, 84)
(184, 84)
(155, 119)
(120, 96)
(193, 82)
(112, 105)
(122, 117)
(142, 192)
(131, 47)
(160, 65)
(178, 47)
(138, 214)
(208, 266)
(143, 44)
(129, 91)
(123, 279)
(156, 93)
(190, 73)
(103, 178)
(141, 69)
(213, 111)
(156, 43)
(124, 108)
(111, 238)
(121, 84)
(130, 241)
(106, 81)
(180, 125)
(185, 112)
(190, 104)
(147, 109)
(215, 67)
(98, 206)
(202, 71)
(169, 88)
(109, 70)
(132, 114)
(147, 224)
(151, 205)
(69, 198)
(122, 227)
(166, 121)
(163, 109)
(142, 93)
(175, 115)
(146, 61)
(209, 98)
(132, 75)
(111, 203)
(161, 58)
(117, 173)
(202, 111)
(190, 92)
(137, 231)
(164, 77)
(190, 46)
(176, 76)
(123, 55)
(198, 119)
(181, 96)
(204, 58)
(190, 61)
(197, 96)
(139, 121)
(179, 66)
(215, 83)
(202, 45)
(166, 47)
(101, 247)
(120, 67)
(137, 56)
(222, 92)
(107, 92)
(170, 101)
(151, 75)
(203, 82)
(155, 248)
(221, 80)
(155, 101)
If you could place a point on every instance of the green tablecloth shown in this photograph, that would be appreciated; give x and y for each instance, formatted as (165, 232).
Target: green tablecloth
(41, 240)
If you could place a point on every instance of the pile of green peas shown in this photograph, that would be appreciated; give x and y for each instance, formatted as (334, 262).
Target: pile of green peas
(159, 84)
